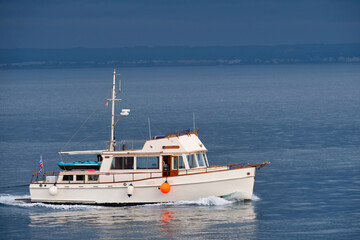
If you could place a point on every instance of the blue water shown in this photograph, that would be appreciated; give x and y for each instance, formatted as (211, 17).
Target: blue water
(304, 119)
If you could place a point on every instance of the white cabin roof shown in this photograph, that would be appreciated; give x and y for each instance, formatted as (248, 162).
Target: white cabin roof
(184, 143)
(171, 144)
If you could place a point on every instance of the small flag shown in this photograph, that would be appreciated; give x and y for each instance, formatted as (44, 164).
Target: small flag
(106, 104)
(40, 164)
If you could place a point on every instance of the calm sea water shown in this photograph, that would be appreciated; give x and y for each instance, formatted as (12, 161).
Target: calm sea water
(304, 119)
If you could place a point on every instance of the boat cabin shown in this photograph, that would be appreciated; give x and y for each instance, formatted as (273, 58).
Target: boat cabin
(165, 156)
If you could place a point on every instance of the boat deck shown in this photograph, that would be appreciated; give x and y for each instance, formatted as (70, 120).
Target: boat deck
(118, 177)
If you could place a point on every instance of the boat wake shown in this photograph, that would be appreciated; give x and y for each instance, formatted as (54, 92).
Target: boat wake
(7, 199)
(210, 201)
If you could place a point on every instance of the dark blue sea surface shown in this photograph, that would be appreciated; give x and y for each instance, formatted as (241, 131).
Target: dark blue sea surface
(304, 119)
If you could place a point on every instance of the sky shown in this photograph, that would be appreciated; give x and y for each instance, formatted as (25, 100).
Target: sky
(111, 23)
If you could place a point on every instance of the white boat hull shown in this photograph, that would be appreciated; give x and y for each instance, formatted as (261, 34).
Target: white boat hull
(183, 188)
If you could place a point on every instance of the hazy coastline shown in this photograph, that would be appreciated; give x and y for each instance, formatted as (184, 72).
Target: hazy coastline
(177, 56)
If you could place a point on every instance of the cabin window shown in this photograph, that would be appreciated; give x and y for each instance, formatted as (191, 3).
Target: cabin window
(201, 159)
(93, 177)
(174, 163)
(68, 178)
(80, 177)
(122, 163)
(191, 161)
(181, 163)
(147, 162)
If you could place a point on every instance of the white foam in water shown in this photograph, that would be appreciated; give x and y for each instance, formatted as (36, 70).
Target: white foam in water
(238, 197)
(255, 198)
(207, 201)
(10, 200)
(235, 197)
(211, 201)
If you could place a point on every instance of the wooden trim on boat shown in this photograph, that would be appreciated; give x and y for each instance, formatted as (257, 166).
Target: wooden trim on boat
(129, 153)
(171, 147)
(26, 200)
(258, 165)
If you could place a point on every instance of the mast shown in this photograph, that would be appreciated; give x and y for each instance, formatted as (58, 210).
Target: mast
(124, 112)
(112, 135)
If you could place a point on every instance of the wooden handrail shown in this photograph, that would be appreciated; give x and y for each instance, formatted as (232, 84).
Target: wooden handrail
(228, 167)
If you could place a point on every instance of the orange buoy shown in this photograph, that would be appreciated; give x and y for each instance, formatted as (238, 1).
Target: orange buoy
(165, 187)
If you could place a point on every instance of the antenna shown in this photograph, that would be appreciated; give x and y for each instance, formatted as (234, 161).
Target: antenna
(112, 136)
(124, 112)
(149, 128)
(194, 120)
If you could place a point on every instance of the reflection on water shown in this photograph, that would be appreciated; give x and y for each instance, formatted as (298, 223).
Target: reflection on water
(153, 221)
(166, 216)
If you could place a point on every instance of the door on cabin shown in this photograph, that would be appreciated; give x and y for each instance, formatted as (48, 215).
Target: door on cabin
(174, 170)
(170, 166)
(166, 164)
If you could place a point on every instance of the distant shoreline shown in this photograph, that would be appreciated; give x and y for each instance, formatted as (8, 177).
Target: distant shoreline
(35, 67)
(30, 58)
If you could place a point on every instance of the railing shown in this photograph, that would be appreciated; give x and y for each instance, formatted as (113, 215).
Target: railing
(53, 177)
(181, 133)
(107, 176)
(127, 144)
(42, 177)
